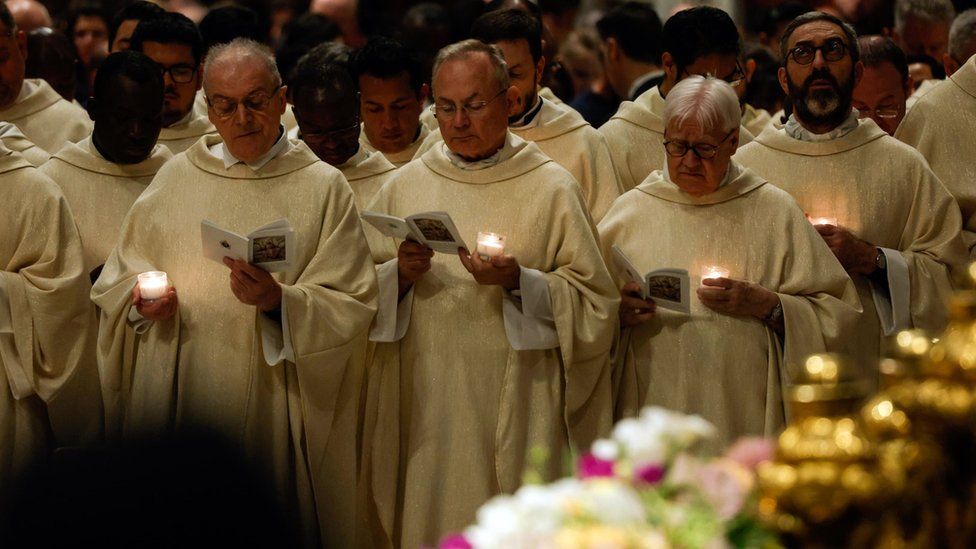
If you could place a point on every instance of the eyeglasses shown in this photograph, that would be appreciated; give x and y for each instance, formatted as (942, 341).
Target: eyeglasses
(446, 111)
(703, 151)
(181, 74)
(257, 102)
(334, 135)
(883, 112)
(735, 79)
(832, 50)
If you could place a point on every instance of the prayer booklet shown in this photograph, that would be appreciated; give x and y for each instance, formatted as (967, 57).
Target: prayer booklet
(270, 247)
(668, 288)
(435, 230)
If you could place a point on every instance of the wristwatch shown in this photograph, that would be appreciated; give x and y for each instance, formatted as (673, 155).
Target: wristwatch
(775, 315)
(880, 260)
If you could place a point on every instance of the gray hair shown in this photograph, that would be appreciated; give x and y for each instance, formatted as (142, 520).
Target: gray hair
(930, 11)
(241, 48)
(961, 36)
(465, 48)
(708, 101)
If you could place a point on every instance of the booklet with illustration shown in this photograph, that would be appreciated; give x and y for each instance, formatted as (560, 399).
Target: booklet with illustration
(669, 288)
(270, 247)
(435, 230)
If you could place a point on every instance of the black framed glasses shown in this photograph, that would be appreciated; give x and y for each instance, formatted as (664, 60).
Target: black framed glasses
(833, 49)
(333, 135)
(704, 151)
(181, 74)
(256, 102)
(735, 79)
(473, 109)
(880, 112)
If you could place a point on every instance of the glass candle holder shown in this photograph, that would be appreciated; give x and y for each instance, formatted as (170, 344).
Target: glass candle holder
(490, 245)
(153, 285)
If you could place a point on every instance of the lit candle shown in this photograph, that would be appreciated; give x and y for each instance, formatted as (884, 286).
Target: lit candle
(823, 221)
(714, 271)
(490, 245)
(153, 285)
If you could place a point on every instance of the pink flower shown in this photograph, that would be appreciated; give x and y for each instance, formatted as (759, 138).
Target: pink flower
(650, 474)
(591, 466)
(749, 452)
(455, 541)
(725, 484)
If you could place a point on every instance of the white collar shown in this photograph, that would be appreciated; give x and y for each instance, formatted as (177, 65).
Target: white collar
(730, 174)
(361, 155)
(798, 132)
(507, 151)
(281, 146)
(25, 90)
(641, 80)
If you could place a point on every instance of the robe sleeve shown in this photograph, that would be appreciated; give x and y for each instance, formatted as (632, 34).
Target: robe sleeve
(47, 348)
(893, 300)
(527, 313)
(392, 313)
(584, 305)
(276, 337)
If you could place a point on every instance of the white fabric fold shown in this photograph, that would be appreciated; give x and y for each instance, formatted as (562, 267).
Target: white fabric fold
(392, 314)
(276, 337)
(527, 312)
(894, 302)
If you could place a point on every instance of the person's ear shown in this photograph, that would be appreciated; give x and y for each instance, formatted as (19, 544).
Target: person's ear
(514, 99)
(540, 68)
(858, 73)
(750, 69)
(734, 139)
(670, 68)
(949, 64)
(282, 95)
(424, 94)
(783, 77)
(22, 44)
(613, 49)
(909, 86)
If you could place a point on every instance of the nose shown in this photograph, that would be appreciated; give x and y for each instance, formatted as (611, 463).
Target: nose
(460, 119)
(690, 159)
(242, 115)
(818, 59)
(390, 121)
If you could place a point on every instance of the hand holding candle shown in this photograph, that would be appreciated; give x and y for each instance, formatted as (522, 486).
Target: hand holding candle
(815, 221)
(153, 297)
(490, 245)
(714, 271)
(153, 285)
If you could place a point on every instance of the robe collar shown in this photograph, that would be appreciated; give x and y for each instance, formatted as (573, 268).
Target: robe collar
(201, 155)
(192, 125)
(13, 138)
(642, 79)
(35, 96)
(361, 155)
(527, 157)
(10, 160)
(738, 181)
(507, 151)
(84, 155)
(281, 146)
(866, 132)
(406, 155)
(644, 111)
(795, 130)
(550, 122)
(369, 164)
(965, 77)
(529, 119)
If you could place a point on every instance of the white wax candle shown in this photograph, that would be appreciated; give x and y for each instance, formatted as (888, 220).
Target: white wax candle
(490, 245)
(153, 285)
(823, 221)
(714, 271)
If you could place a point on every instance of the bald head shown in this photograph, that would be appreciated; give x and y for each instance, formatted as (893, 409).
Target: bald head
(29, 14)
(237, 55)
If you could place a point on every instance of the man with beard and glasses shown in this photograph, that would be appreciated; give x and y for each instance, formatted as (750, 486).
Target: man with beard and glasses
(326, 106)
(702, 41)
(874, 200)
(45, 117)
(942, 125)
(561, 133)
(885, 84)
(174, 43)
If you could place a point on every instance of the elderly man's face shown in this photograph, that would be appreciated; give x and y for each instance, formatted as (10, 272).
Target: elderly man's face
(13, 53)
(523, 73)
(881, 95)
(245, 106)
(924, 38)
(691, 172)
(821, 90)
(477, 127)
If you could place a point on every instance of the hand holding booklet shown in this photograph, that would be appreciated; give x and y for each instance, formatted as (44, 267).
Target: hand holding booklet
(270, 247)
(668, 288)
(436, 230)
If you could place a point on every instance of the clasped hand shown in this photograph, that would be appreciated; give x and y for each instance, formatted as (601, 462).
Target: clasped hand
(633, 309)
(253, 285)
(500, 270)
(854, 254)
(159, 309)
(735, 297)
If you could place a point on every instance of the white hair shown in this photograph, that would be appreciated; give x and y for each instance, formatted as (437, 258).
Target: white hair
(708, 101)
(962, 35)
(465, 48)
(242, 49)
(929, 11)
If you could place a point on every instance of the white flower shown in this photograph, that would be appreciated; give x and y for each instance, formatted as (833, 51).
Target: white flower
(606, 450)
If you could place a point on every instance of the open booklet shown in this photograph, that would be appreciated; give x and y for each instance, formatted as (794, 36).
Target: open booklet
(435, 230)
(271, 247)
(669, 288)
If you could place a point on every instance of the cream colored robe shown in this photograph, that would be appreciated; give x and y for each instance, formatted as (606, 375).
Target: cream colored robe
(100, 193)
(366, 177)
(46, 118)
(16, 141)
(564, 136)
(46, 323)
(755, 120)
(729, 369)
(398, 159)
(180, 136)
(942, 126)
(205, 368)
(883, 192)
(460, 408)
(635, 135)
(923, 89)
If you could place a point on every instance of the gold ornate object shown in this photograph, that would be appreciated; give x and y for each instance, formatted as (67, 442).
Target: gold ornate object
(823, 489)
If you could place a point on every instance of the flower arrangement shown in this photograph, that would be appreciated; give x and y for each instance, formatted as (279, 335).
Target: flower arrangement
(645, 487)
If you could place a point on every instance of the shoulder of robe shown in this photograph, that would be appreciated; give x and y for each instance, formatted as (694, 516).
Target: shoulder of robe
(20, 179)
(375, 165)
(78, 156)
(631, 114)
(933, 112)
(866, 133)
(557, 122)
(625, 207)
